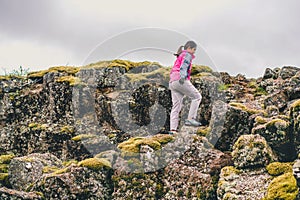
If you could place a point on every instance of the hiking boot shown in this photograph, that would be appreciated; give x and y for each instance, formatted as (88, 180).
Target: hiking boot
(172, 132)
(192, 122)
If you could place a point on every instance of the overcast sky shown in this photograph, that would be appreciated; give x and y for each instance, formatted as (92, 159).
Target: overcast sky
(237, 36)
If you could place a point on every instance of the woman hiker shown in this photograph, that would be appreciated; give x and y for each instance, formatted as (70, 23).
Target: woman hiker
(180, 85)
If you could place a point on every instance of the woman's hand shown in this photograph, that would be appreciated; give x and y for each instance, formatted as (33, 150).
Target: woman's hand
(181, 80)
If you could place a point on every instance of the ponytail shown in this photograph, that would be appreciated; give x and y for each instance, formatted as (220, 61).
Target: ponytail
(189, 44)
(179, 51)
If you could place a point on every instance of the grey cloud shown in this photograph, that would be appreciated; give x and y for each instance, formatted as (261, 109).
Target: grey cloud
(255, 35)
(53, 22)
(243, 38)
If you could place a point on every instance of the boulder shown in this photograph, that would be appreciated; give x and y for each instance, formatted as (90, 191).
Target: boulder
(278, 99)
(252, 151)
(293, 89)
(137, 186)
(208, 87)
(243, 184)
(288, 72)
(185, 167)
(294, 111)
(24, 171)
(273, 182)
(90, 180)
(10, 194)
(272, 110)
(227, 124)
(269, 73)
(186, 182)
(226, 78)
(278, 135)
(296, 171)
(283, 187)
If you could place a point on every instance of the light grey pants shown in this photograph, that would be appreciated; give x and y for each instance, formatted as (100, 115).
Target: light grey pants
(178, 91)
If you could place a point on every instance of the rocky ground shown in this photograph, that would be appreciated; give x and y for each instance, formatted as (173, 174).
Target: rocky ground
(99, 132)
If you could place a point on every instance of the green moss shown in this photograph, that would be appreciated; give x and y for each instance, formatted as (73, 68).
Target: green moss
(68, 70)
(3, 168)
(260, 91)
(201, 74)
(67, 129)
(27, 159)
(97, 65)
(126, 64)
(295, 106)
(223, 87)
(277, 123)
(61, 171)
(69, 162)
(283, 117)
(40, 194)
(50, 169)
(37, 126)
(248, 110)
(4, 179)
(260, 120)
(112, 136)
(133, 144)
(71, 80)
(3, 176)
(5, 159)
(164, 71)
(203, 132)
(252, 143)
(229, 196)
(277, 168)
(252, 84)
(159, 191)
(4, 162)
(83, 137)
(13, 95)
(29, 187)
(163, 138)
(282, 187)
(10, 76)
(228, 170)
(4, 78)
(196, 69)
(271, 108)
(95, 163)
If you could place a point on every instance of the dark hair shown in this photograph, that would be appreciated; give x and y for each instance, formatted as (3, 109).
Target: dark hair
(188, 44)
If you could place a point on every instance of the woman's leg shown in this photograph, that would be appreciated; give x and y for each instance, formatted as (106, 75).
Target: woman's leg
(190, 91)
(176, 106)
(196, 97)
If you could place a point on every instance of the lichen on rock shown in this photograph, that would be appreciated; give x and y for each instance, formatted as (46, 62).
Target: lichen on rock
(71, 80)
(243, 184)
(251, 151)
(277, 133)
(5, 159)
(277, 168)
(65, 69)
(75, 182)
(95, 163)
(83, 137)
(283, 187)
(27, 169)
(133, 144)
(247, 109)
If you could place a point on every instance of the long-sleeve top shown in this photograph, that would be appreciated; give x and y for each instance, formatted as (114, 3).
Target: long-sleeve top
(182, 66)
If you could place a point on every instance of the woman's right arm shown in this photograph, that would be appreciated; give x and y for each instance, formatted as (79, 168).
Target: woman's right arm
(185, 65)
